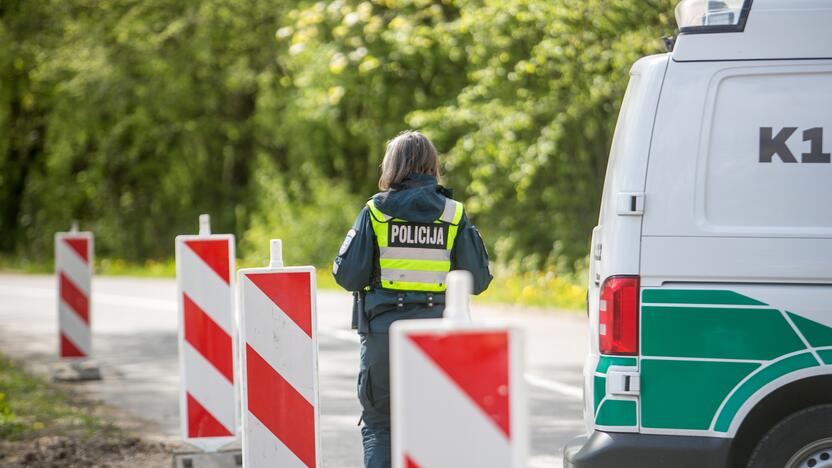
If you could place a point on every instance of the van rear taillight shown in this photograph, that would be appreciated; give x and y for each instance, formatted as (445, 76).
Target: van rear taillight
(618, 316)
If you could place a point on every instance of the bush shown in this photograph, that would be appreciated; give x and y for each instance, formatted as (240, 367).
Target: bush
(311, 217)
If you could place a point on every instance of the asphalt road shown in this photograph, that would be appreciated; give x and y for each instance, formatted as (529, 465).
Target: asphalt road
(134, 341)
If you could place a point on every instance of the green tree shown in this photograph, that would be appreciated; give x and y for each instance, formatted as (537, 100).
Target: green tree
(26, 30)
(152, 120)
(355, 70)
(136, 116)
(529, 136)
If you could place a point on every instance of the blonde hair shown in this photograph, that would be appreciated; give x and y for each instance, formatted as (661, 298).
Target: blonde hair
(409, 153)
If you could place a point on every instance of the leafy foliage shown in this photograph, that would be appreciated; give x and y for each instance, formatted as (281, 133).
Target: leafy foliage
(311, 218)
(272, 116)
(528, 136)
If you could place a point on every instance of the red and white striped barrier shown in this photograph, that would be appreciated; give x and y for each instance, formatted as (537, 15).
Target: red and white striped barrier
(457, 390)
(280, 365)
(73, 268)
(208, 398)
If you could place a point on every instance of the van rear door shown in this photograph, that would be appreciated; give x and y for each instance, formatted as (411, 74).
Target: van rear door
(736, 255)
(615, 248)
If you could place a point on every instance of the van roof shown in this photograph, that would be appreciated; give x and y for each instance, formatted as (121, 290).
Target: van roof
(773, 29)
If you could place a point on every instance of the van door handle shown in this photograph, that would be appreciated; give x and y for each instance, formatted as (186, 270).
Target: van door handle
(624, 381)
(629, 203)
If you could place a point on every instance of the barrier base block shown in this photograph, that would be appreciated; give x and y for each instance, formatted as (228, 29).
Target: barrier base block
(222, 459)
(80, 371)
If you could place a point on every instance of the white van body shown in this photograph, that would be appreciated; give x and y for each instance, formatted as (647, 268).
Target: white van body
(717, 208)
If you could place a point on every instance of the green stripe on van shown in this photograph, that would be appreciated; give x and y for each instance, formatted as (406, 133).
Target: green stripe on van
(826, 355)
(599, 388)
(686, 394)
(696, 296)
(758, 380)
(817, 334)
(716, 332)
(604, 362)
(617, 413)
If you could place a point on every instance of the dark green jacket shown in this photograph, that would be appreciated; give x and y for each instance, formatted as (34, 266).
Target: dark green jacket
(356, 268)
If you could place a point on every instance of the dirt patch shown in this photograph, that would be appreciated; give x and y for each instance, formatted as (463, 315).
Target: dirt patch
(43, 424)
(69, 452)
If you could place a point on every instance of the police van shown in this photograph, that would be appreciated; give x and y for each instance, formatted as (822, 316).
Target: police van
(710, 289)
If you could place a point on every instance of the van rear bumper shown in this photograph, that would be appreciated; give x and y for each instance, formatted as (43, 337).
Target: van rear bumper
(619, 450)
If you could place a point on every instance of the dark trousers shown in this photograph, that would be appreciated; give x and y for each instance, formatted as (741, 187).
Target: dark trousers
(374, 395)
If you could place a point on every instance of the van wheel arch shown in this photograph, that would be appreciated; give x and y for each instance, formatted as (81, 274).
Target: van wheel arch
(775, 407)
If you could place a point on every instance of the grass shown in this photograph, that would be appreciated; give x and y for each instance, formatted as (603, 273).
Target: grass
(103, 266)
(22, 265)
(150, 268)
(535, 289)
(29, 406)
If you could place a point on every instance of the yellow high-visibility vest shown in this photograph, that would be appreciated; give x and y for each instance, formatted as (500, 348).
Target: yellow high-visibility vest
(415, 256)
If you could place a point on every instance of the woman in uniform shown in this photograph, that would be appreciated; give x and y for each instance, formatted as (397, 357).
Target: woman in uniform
(394, 260)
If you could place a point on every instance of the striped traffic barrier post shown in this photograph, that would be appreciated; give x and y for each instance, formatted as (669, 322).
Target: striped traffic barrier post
(279, 365)
(458, 395)
(208, 401)
(73, 270)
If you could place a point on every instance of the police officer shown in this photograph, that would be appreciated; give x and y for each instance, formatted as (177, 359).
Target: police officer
(395, 260)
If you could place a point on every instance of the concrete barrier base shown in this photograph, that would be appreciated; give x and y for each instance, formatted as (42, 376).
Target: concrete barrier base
(76, 371)
(222, 459)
